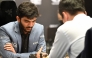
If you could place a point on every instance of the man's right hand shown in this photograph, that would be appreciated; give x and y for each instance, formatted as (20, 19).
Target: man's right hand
(39, 52)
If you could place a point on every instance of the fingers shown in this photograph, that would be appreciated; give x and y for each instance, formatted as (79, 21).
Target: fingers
(9, 47)
(40, 50)
(44, 55)
(9, 43)
(38, 53)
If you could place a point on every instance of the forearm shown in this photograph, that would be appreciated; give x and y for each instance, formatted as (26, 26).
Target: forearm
(60, 46)
(42, 42)
(8, 54)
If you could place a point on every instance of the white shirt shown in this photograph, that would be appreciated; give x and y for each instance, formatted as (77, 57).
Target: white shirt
(70, 37)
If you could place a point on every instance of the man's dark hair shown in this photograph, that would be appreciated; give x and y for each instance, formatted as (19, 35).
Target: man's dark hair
(27, 9)
(71, 6)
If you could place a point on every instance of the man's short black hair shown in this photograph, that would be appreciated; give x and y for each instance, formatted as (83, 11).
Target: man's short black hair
(27, 9)
(71, 6)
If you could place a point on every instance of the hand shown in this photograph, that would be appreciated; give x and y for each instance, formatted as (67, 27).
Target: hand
(39, 52)
(9, 47)
(44, 55)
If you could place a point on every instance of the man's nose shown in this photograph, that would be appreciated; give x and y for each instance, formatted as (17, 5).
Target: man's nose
(31, 24)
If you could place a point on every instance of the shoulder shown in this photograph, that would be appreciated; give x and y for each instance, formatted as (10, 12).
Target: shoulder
(65, 26)
(38, 26)
(89, 30)
(8, 24)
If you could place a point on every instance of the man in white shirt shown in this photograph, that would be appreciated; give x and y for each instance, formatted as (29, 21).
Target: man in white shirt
(70, 36)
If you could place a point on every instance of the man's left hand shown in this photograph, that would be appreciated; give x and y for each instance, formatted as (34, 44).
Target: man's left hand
(9, 47)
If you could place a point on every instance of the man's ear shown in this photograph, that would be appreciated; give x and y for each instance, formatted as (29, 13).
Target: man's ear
(65, 16)
(18, 19)
(85, 12)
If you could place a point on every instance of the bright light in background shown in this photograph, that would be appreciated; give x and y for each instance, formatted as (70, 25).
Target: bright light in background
(36, 2)
(55, 2)
(7, 0)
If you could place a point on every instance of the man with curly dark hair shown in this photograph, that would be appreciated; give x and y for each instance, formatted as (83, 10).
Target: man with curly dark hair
(24, 36)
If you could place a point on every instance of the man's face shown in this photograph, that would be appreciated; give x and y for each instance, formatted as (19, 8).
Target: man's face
(27, 23)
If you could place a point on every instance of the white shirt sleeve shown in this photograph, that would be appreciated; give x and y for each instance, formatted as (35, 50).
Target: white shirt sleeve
(60, 46)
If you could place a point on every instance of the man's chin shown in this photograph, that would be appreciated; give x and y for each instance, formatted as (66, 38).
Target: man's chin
(28, 30)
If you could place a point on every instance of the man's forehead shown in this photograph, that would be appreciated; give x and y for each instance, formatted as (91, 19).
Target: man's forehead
(29, 19)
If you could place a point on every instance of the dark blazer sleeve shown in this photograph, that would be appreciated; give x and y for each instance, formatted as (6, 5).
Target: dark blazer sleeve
(87, 52)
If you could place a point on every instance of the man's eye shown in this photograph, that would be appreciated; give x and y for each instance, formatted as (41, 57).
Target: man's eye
(26, 21)
(34, 21)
